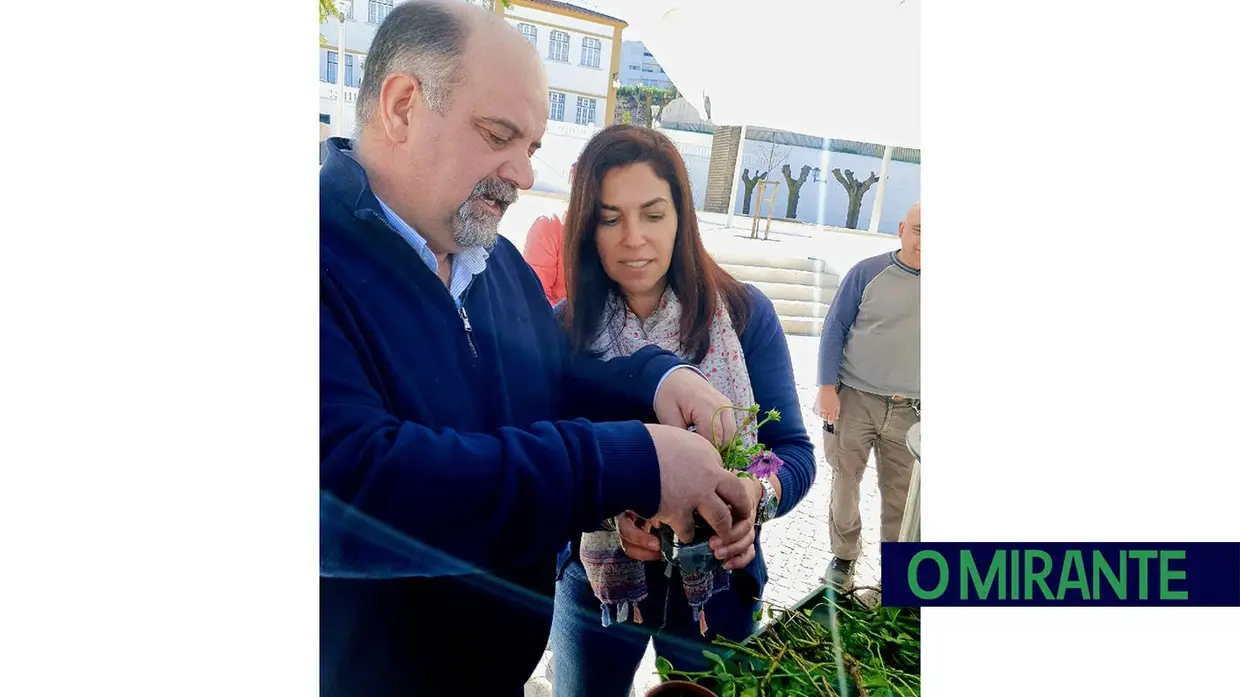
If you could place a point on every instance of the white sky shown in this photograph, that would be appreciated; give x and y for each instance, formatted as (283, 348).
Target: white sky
(615, 8)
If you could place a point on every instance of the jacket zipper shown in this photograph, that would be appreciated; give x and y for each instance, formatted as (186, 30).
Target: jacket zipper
(460, 309)
(469, 329)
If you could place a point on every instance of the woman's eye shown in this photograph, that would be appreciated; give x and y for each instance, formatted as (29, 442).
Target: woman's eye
(655, 217)
(609, 222)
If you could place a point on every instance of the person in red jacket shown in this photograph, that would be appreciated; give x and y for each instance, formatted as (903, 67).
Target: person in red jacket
(543, 247)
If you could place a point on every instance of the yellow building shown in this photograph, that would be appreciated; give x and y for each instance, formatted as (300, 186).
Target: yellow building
(580, 49)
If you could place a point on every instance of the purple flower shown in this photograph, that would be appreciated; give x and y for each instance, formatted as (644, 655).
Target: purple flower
(764, 464)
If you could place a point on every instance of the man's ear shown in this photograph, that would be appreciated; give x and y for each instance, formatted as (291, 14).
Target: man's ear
(400, 98)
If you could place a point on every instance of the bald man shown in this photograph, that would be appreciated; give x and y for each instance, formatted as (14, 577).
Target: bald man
(869, 394)
(453, 462)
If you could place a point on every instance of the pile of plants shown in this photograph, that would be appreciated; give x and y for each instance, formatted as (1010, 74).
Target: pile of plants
(832, 645)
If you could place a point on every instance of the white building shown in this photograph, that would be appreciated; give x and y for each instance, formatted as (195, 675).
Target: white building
(362, 19)
(638, 67)
(581, 51)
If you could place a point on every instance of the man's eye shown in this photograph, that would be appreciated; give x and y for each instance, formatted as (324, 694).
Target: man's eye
(496, 140)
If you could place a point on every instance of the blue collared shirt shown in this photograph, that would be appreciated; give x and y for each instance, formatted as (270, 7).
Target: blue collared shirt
(466, 264)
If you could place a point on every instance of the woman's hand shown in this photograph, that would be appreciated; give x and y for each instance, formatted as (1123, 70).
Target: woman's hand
(637, 542)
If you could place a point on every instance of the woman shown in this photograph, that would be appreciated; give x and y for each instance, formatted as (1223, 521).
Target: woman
(637, 273)
(543, 248)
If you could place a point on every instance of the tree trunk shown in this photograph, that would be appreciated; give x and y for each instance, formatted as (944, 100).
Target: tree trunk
(856, 192)
(794, 197)
(794, 188)
(854, 209)
(750, 184)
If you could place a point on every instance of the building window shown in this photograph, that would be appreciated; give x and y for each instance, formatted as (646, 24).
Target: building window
(530, 32)
(361, 69)
(585, 111)
(378, 11)
(557, 106)
(591, 52)
(559, 47)
(349, 12)
(348, 70)
(328, 72)
(325, 118)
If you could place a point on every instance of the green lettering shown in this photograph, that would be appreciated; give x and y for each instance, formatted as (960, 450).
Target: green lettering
(1143, 578)
(1015, 567)
(944, 574)
(969, 575)
(1103, 568)
(1167, 575)
(1073, 562)
(1038, 577)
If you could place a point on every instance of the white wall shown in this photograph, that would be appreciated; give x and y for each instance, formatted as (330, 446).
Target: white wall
(327, 105)
(695, 149)
(570, 76)
(825, 202)
(563, 142)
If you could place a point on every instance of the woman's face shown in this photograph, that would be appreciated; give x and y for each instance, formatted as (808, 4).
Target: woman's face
(636, 231)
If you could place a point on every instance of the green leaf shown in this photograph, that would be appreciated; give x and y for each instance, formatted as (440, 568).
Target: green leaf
(664, 667)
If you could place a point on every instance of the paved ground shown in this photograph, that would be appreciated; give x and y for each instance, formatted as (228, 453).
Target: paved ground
(797, 546)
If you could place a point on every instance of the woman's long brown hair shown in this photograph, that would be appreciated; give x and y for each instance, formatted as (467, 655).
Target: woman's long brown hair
(693, 275)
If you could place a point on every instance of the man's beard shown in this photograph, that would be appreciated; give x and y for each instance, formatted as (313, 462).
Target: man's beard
(476, 225)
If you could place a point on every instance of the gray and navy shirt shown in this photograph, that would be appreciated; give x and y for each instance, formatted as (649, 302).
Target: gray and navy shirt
(871, 339)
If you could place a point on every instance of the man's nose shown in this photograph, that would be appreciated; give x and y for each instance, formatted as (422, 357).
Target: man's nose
(519, 171)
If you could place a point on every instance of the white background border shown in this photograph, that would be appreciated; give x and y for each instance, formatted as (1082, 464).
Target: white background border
(158, 380)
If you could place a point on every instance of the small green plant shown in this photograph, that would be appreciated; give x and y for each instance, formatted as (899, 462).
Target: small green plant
(753, 460)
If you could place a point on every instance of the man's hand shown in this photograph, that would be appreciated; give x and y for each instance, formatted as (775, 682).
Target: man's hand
(828, 404)
(635, 537)
(692, 478)
(686, 399)
(739, 554)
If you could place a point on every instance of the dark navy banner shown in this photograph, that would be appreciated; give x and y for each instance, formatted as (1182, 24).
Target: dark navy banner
(1070, 574)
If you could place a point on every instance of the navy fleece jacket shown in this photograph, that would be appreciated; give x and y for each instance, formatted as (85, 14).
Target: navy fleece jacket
(435, 441)
(453, 462)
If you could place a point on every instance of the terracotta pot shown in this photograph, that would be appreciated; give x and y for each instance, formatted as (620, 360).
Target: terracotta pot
(679, 688)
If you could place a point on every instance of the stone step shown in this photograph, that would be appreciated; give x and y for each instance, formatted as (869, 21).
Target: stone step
(740, 257)
(801, 326)
(800, 308)
(770, 274)
(795, 291)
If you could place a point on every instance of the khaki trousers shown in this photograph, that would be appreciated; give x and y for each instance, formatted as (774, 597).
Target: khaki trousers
(868, 422)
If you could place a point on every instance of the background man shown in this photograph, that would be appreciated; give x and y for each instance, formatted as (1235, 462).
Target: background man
(869, 394)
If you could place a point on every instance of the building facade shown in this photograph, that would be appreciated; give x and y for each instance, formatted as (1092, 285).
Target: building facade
(580, 49)
(362, 20)
(638, 67)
